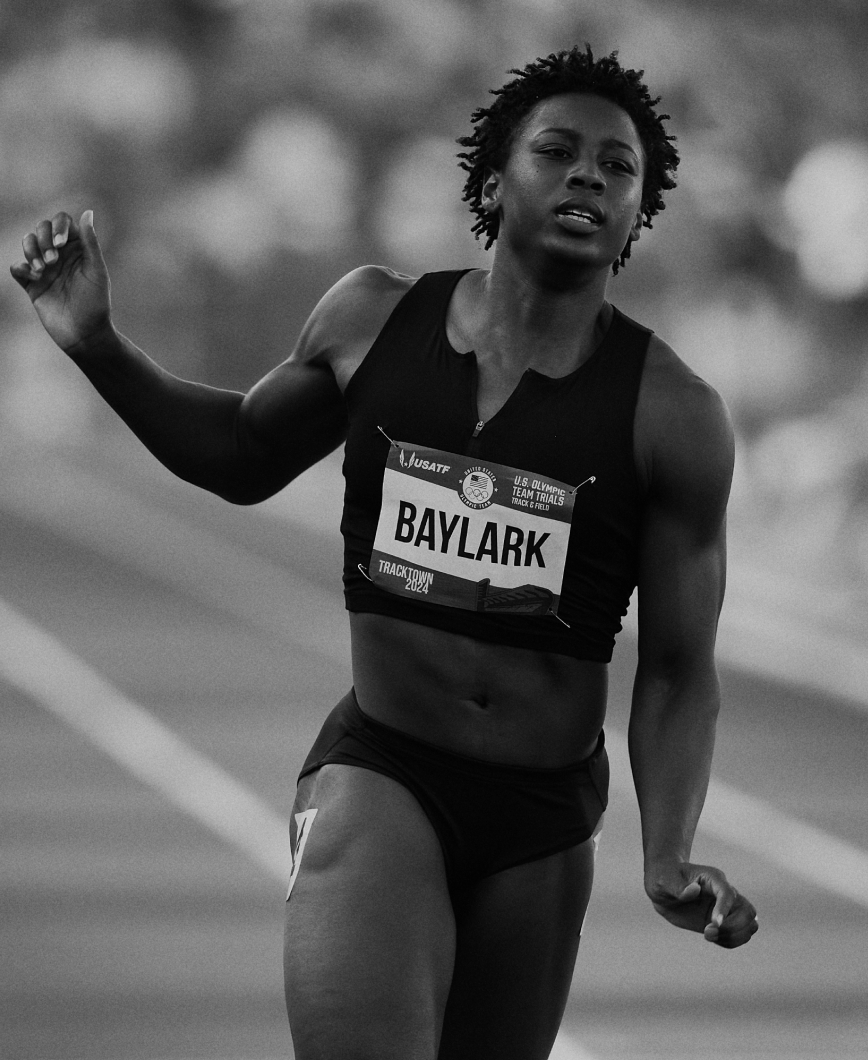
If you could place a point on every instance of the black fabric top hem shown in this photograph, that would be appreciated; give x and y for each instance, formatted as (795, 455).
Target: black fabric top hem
(548, 635)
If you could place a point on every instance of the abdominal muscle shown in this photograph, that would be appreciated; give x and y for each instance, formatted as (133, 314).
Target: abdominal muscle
(488, 701)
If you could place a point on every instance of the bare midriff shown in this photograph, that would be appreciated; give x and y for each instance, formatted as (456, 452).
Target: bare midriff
(489, 701)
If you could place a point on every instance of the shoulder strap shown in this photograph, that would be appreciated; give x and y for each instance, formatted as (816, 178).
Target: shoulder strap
(428, 297)
(631, 331)
(414, 322)
(625, 362)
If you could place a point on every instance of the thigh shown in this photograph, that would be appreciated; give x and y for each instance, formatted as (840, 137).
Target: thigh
(370, 931)
(517, 940)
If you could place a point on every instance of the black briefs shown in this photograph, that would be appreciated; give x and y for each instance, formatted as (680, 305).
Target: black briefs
(488, 816)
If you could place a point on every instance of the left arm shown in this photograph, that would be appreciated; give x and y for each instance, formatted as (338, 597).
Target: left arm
(687, 450)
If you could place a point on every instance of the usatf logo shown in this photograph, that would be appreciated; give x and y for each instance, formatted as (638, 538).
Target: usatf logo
(477, 488)
(427, 465)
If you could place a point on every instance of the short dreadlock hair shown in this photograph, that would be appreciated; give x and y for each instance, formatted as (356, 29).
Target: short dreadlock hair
(566, 71)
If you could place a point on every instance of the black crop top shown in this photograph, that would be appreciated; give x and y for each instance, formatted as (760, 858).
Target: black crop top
(413, 386)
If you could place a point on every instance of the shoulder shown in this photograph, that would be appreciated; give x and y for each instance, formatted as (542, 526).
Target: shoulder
(362, 299)
(347, 319)
(683, 431)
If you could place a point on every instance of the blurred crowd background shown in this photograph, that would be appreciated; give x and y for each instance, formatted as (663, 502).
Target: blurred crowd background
(241, 155)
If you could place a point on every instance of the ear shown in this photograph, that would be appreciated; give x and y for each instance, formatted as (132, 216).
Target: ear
(490, 198)
(636, 228)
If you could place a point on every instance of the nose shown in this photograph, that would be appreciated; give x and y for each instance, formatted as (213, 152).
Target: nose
(586, 175)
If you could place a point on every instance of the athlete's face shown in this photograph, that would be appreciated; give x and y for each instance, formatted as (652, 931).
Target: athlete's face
(572, 185)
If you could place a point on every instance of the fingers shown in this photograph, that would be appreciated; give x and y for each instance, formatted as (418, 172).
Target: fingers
(32, 254)
(42, 246)
(689, 883)
(45, 240)
(737, 928)
(87, 234)
(62, 226)
(691, 892)
(21, 274)
(700, 898)
(711, 881)
(724, 895)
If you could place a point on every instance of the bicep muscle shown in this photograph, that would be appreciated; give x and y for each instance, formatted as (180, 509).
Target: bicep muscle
(683, 552)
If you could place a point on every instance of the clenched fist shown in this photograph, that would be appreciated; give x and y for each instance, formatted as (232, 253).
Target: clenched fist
(66, 279)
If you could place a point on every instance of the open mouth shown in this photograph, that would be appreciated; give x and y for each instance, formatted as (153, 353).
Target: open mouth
(579, 216)
(582, 216)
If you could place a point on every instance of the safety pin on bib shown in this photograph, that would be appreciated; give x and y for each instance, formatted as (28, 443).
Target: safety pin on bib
(365, 573)
(591, 479)
(392, 440)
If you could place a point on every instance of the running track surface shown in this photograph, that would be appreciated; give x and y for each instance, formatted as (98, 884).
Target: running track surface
(144, 921)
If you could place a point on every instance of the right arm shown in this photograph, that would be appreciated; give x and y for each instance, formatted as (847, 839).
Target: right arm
(243, 447)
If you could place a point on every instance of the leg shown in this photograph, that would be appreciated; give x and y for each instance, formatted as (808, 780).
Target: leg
(370, 933)
(517, 942)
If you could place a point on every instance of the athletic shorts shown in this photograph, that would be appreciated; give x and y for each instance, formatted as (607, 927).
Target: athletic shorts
(487, 816)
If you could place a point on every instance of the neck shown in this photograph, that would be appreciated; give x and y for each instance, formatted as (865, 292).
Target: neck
(539, 318)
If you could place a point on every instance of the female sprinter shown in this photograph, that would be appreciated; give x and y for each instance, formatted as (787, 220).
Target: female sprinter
(519, 455)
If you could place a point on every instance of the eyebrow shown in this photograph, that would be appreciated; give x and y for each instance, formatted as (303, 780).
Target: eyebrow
(608, 142)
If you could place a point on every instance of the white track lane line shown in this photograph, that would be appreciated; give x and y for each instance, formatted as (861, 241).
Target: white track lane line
(567, 1048)
(755, 638)
(40, 666)
(36, 663)
(754, 825)
(207, 567)
(800, 848)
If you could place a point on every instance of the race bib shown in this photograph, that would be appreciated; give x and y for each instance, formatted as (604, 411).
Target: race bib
(470, 533)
